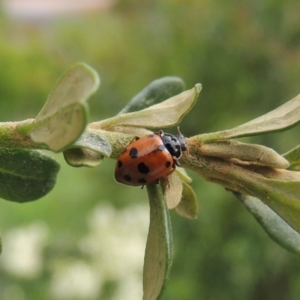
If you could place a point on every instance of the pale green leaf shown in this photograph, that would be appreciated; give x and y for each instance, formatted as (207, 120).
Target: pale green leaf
(293, 156)
(165, 114)
(183, 175)
(88, 150)
(64, 116)
(159, 247)
(283, 198)
(93, 140)
(82, 157)
(172, 190)
(188, 206)
(156, 92)
(248, 153)
(281, 118)
(133, 131)
(276, 227)
(279, 189)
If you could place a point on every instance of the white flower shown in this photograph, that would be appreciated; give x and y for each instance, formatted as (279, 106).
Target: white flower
(75, 280)
(22, 250)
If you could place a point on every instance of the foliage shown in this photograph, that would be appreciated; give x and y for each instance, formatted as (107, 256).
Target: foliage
(245, 169)
(245, 55)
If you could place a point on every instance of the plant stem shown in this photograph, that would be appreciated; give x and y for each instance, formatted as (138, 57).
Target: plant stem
(14, 135)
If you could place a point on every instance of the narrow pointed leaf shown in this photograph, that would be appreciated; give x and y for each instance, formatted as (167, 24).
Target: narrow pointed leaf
(0, 245)
(276, 227)
(133, 131)
(156, 92)
(26, 175)
(279, 189)
(188, 206)
(183, 175)
(293, 156)
(255, 154)
(64, 116)
(159, 248)
(281, 118)
(166, 114)
(283, 198)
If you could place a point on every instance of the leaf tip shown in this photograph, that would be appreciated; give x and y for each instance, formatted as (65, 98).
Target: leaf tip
(198, 87)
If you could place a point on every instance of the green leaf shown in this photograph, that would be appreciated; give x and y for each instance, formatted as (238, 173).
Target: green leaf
(172, 190)
(156, 92)
(181, 172)
(26, 175)
(293, 156)
(250, 153)
(64, 116)
(188, 206)
(279, 189)
(93, 140)
(281, 118)
(88, 150)
(165, 114)
(276, 227)
(0, 245)
(283, 198)
(132, 131)
(159, 247)
(80, 157)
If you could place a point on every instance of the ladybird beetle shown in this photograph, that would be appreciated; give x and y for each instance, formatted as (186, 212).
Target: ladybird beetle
(149, 158)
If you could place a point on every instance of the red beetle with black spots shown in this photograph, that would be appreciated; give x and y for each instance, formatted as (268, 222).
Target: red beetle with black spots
(147, 159)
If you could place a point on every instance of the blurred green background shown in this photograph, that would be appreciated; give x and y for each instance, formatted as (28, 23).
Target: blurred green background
(85, 240)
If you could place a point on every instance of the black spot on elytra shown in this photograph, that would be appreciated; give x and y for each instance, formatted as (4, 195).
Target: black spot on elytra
(133, 153)
(143, 168)
(142, 180)
(127, 177)
(167, 164)
(120, 164)
(150, 135)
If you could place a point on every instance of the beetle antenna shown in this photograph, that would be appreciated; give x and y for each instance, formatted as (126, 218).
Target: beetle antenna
(178, 128)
